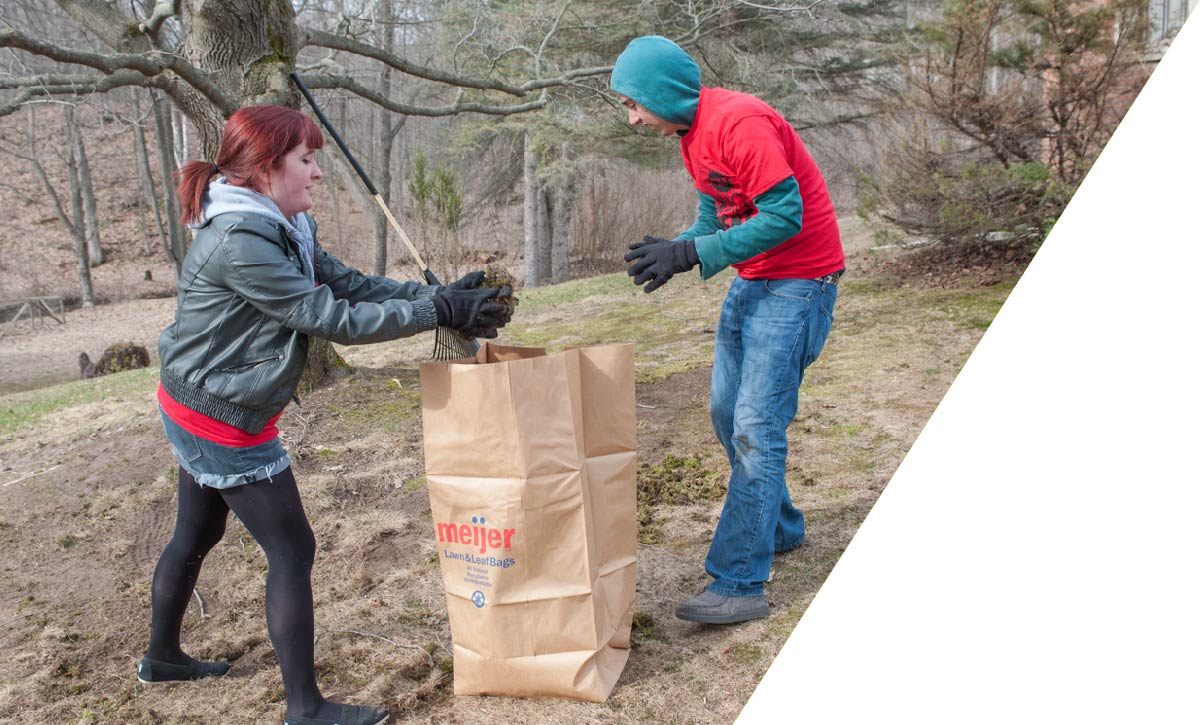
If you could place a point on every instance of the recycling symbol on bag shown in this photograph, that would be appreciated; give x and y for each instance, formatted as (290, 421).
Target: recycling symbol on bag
(477, 597)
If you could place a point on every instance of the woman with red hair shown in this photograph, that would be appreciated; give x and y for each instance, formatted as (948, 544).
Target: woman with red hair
(254, 287)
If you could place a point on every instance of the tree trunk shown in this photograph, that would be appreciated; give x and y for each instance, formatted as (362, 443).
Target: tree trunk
(385, 183)
(246, 48)
(91, 221)
(544, 231)
(179, 136)
(533, 264)
(331, 188)
(74, 144)
(322, 367)
(386, 143)
(560, 233)
(75, 229)
(387, 138)
(398, 198)
(338, 164)
(381, 223)
(592, 228)
(146, 178)
(341, 167)
(176, 247)
(143, 222)
(342, 104)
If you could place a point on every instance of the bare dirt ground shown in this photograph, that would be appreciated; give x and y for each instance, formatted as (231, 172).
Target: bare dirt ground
(87, 494)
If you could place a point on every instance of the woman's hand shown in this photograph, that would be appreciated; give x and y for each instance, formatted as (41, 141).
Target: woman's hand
(474, 312)
(471, 280)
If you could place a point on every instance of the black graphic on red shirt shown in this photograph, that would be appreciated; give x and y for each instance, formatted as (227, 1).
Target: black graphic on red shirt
(733, 207)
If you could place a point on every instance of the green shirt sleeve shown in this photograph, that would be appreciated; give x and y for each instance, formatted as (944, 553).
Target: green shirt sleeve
(706, 219)
(778, 220)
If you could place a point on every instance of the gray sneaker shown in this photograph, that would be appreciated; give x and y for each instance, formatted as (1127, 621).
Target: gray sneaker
(713, 608)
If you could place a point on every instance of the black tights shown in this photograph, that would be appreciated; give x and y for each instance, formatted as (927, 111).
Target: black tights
(271, 510)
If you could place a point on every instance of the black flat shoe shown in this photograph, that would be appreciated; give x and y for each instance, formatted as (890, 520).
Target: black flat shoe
(153, 672)
(351, 715)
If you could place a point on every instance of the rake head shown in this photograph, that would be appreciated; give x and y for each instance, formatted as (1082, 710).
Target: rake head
(449, 344)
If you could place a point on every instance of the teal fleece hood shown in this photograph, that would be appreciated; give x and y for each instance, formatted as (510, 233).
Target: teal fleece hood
(659, 75)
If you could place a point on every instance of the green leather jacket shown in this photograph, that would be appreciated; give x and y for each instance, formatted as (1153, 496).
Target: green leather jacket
(246, 307)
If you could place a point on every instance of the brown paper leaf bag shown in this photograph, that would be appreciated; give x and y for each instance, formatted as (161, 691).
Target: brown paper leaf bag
(531, 466)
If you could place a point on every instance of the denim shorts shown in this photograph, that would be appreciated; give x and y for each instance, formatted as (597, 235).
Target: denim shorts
(218, 466)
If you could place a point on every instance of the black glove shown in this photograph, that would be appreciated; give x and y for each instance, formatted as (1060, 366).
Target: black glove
(471, 280)
(473, 312)
(657, 260)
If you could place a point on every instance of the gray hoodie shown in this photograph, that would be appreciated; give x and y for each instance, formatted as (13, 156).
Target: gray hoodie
(223, 197)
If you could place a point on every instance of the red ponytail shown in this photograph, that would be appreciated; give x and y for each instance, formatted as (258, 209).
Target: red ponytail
(255, 140)
(191, 182)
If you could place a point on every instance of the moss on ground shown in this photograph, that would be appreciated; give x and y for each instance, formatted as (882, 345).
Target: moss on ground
(649, 532)
(675, 481)
(973, 308)
(744, 653)
(645, 629)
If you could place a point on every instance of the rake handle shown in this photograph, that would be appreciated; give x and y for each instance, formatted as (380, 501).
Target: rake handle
(429, 276)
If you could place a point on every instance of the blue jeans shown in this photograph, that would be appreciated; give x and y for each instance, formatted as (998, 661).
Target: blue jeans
(770, 331)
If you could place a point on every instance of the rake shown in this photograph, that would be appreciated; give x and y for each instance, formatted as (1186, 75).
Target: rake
(448, 344)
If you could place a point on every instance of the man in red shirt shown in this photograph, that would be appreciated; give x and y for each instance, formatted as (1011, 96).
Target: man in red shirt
(764, 210)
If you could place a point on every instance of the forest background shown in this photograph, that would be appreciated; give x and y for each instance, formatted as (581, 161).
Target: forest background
(489, 130)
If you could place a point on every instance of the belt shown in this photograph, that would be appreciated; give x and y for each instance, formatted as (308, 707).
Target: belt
(831, 278)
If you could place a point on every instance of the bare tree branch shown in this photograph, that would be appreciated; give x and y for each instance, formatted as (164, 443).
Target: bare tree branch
(48, 79)
(155, 68)
(807, 9)
(565, 78)
(474, 31)
(154, 63)
(320, 38)
(115, 29)
(74, 84)
(546, 38)
(352, 85)
(163, 12)
(16, 103)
